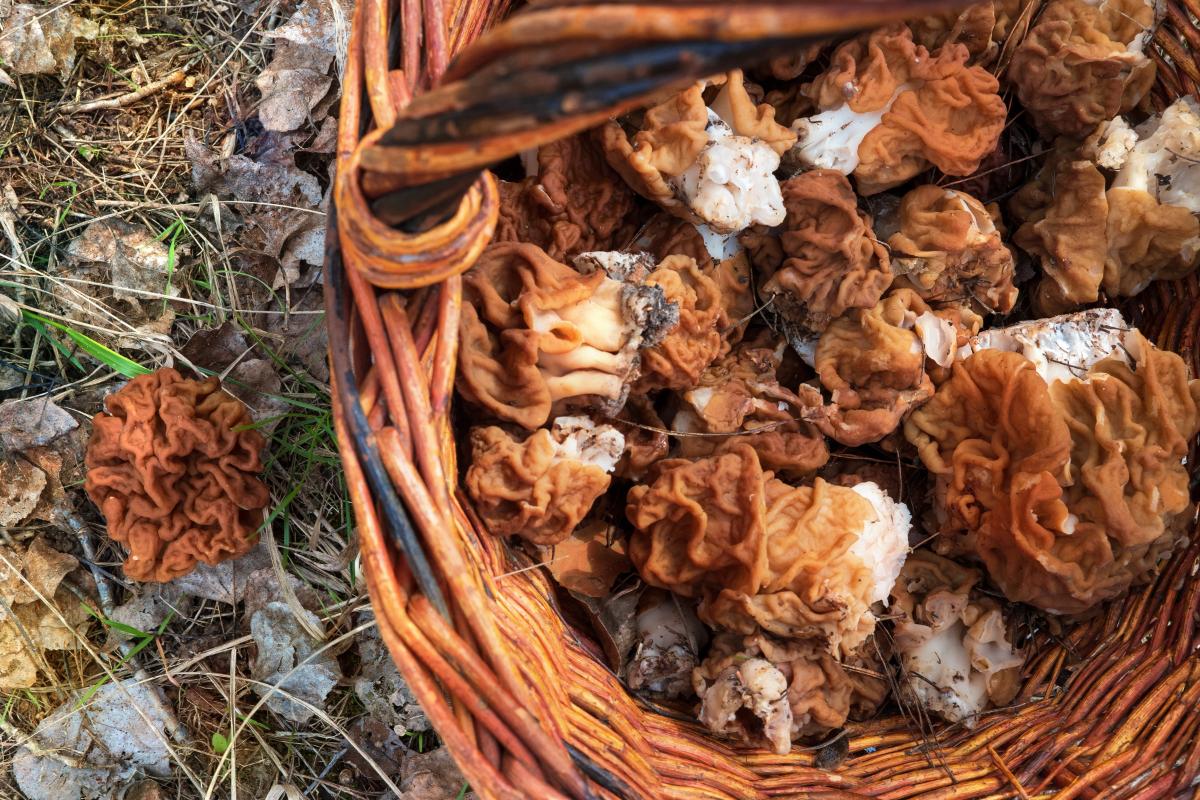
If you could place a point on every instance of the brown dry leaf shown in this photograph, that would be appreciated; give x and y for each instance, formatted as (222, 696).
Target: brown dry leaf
(288, 657)
(144, 790)
(326, 139)
(21, 485)
(380, 744)
(39, 570)
(295, 81)
(54, 504)
(614, 621)
(301, 334)
(590, 560)
(121, 730)
(229, 582)
(256, 383)
(40, 39)
(281, 206)
(216, 348)
(138, 262)
(29, 573)
(36, 439)
(431, 776)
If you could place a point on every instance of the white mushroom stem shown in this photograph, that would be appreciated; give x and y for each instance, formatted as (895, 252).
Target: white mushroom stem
(1061, 348)
(732, 184)
(830, 139)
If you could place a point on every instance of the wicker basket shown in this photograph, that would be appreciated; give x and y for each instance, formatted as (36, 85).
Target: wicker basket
(1108, 709)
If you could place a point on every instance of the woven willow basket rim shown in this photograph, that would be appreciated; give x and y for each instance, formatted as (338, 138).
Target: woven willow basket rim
(515, 694)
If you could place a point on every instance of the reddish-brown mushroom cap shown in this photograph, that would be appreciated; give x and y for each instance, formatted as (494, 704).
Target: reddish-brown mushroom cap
(174, 469)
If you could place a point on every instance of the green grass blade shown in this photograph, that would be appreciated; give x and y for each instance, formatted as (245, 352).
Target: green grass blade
(102, 353)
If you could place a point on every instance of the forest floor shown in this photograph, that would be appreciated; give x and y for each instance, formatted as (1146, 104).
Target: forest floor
(164, 170)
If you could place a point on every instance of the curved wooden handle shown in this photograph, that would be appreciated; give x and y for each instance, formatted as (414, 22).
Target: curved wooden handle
(555, 70)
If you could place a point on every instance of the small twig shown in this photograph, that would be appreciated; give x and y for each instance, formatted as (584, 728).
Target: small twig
(178, 76)
(162, 656)
(1016, 783)
(329, 767)
(104, 594)
(770, 426)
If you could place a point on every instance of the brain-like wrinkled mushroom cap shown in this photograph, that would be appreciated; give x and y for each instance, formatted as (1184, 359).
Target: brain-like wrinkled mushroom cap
(678, 359)
(542, 487)
(1063, 212)
(1143, 228)
(888, 108)
(711, 164)
(740, 393)
(982, 28)
(174, 468)
(953, 644)
(1153, 232)
(831, 261)
(948, 250)
(667, 235)
(763, 555)
(1062, 471)
(646, 440)
(765, 691)
(538, 336)
(573, 204)
(1084, 63)
(873, 364)
(1147, 241)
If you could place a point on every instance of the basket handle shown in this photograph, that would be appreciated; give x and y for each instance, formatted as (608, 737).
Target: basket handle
(557, 69)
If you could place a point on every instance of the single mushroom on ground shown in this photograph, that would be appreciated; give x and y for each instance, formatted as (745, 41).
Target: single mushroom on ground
(798, 562)
(173, 466)
(827, 260)
(1058, 448)
(540, 338)
(947, 248)
(769, 692)
(712, 164)
(955, 651)
(542, 487)
(888, 109)
(1085, 62)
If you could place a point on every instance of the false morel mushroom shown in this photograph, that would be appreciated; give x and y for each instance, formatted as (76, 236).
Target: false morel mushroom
(173, 466)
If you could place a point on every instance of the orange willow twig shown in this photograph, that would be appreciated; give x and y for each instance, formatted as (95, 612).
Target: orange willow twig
(426, 513)
(384, 596)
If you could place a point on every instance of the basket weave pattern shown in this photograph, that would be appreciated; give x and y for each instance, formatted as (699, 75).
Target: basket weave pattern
(1106, 709)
